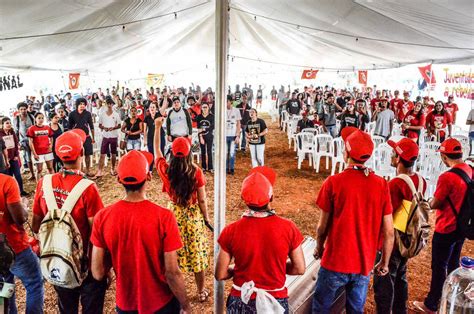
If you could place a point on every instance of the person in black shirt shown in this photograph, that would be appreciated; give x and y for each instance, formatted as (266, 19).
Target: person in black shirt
(350, 117)
(304, 123)
(205, 125)
(63, 121)
(255, 133)
(361, 108)
(133, 128)
(293, 106)
(82, 119)
(244, 109)
(149, 129)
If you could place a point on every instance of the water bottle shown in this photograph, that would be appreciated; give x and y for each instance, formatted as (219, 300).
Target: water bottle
(458, 289)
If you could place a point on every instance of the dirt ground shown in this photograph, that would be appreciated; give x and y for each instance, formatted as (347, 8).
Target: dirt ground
(295, 193)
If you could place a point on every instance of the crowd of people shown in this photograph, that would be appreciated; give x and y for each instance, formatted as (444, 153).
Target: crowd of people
(160, 131)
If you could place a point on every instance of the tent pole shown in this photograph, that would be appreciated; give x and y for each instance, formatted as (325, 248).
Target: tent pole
(222, 44)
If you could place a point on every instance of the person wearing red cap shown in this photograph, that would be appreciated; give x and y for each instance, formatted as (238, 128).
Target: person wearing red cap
(259, 230)
(396, 103)
(41, 144)
(391, 291)
(452, 108)
(26, 266)
(185, 184)
(406, 105)
(149, 280)
(447, 241)
(438, 120)
(70, 149)
(414, 122)
(374, 103)
(350, 227)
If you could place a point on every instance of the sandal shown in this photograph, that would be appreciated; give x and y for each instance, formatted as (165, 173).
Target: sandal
(113, 173)
(204, 296)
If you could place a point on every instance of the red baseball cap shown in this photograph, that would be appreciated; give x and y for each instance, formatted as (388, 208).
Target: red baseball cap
(256, 190)
(359, 145)
(133, 167)
(181, 147)
(405, 148)
(450, 146)
(268, 172)
(69, 145)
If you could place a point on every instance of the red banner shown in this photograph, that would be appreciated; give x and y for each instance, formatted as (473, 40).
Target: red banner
(363, 77)
(74, 80)
(427, 74)
(309, 74)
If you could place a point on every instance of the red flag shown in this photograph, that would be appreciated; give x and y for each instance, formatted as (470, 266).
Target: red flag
(309, 74)
(363, 77)
(74, 80)
(427, 74)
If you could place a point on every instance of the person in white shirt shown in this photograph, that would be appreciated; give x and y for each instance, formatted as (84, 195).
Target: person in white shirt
(109, 123)
(232, 134)
(470, 122)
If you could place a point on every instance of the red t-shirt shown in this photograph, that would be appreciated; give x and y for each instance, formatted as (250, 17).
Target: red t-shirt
(450, 185)
(137, 235)
(451, 108)
(152, 97)
(438, 121)
(41, 138)
(374, 103)
(194, 111)
(395, 104)
(162, 167)
(86, 207)
(247, 238)
(405, 106)
(400, 191)
(10, 194)
(429, 109)
(357, 203)
(412, 119)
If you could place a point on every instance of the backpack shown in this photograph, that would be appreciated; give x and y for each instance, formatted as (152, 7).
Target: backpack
(62, 259)
(465, 216)
(7, 255)
(417, 230)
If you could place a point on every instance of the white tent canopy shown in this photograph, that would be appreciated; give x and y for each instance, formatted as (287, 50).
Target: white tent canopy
(338, 35)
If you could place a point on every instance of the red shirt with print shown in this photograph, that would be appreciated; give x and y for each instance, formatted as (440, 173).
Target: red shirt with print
(453, 186)
(438, 121)
(137, 235)
(41, 136)
(374, 103)
(140, 112)
(10, 194)
(162, 167)
(451, 108)
(413, 119)
(247, 238)
(404, 108)
(86, 207)
(356, 222)
(395, 105)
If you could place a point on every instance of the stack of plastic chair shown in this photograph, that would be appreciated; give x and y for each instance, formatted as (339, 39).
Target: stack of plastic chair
(377, 140)
(305, 146)
(338, 144)
(383, 161)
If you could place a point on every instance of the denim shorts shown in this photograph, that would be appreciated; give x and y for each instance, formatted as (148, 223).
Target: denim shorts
(134, 144)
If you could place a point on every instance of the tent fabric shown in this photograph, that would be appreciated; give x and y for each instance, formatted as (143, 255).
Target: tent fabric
(259, 30)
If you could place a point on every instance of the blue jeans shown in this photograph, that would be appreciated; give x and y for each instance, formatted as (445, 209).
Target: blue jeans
(328, 284)
(332, 130)
(230, 141)
(15, 171)
(27, 269)
(134, 144)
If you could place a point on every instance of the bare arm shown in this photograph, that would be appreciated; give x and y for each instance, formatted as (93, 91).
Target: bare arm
(388, 239)
(321, 233)
(296, 265)
(98, 263)
(32, 147)
(202, 199)
(18, 213)
(435, 203)
(224, 270)
(157, 137)
(145, 131)
(36, 223)
(175, 280)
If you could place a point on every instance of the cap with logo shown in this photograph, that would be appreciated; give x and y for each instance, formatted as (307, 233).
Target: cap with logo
(358, 144)
(181, 147)
(256, 190)
(450, 146)
(268, 172)
(69, 144)
(405, 148)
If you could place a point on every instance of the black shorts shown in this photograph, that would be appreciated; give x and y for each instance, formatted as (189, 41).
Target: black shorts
(88, 149)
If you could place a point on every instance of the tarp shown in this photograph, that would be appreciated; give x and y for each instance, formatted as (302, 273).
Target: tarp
(330, 34)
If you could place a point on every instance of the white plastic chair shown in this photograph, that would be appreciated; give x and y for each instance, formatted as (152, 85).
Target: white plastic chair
(338, 145)
(377, 140)
(291, 131)
(370, 127)
(382, 161)
(432, 145)
(305, 146)
(313, 131)
(284, 119)
(397, 129)
(464, 140)
(323, 147)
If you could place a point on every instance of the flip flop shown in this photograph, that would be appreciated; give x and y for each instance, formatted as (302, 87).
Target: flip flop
(204, 296)
(113, 172)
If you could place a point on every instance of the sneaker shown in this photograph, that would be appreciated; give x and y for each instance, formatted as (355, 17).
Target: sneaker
(211, 171)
